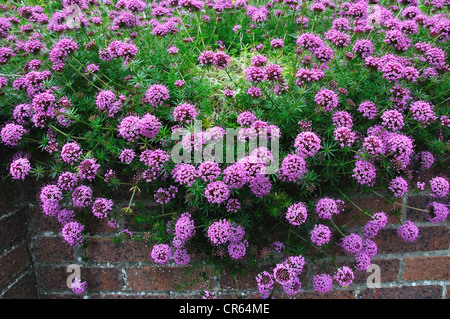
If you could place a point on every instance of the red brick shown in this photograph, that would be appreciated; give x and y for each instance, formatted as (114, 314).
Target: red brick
(427, 268)
(246, 279)
(102, 278)
(354, 216)
(104, 249)
(95, 225)
(154, 278)
(430, 238)
(420, 202)
(24, 288)
(55, 278)
(69, 295)
(12, 228)
(53, 249)
(389, 269)
(334, 294)
(42, 222)
(12, 263)
(404, 292)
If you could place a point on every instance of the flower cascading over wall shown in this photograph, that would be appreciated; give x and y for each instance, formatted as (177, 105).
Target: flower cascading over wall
(280, 111)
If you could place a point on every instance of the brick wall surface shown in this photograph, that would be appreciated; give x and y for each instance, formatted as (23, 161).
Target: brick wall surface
(34, 259)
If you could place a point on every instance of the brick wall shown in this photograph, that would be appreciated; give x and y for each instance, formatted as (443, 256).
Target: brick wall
(17, 273)
(408, 270)
(34, 259)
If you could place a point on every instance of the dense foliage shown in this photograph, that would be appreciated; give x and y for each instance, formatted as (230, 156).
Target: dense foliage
(348, 96)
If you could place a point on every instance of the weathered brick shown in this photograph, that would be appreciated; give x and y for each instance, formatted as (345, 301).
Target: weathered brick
(334, 294)
(53, 249)
(430, 238)
(95, 225)
(102, 278)
(104, 250)
(42, 222)
(420, 202)
(24, 288)
(55, 278)
(12, 263)
(389, 269)
(370, 204)
(155, 278)
(404, 292)
(12, 228)
(427, 268)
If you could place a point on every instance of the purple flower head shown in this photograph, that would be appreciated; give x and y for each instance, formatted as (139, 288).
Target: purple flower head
(11, 134)
(102, 207)
(181, 256)
(368, 109)
(157, 94)
(320, 234)
(438, 212)
(362, 261)
(184, 227)
(363, 47)
(82, 196)
(352, 243)
(326, 99)
(79, 287)
(255, 74)
(237, 250)
(423, 112)
(259, 61)
(20, 168)
(88, 169)
(161, 253)
(217, 192)
(265, 280)
(184, 113)
(129, 128)
(293, 168)
(219, 232)
(246, 118)
(309, 41)
(344, 135)
(72, 233)
(308, 75)
(369, 247)
(342, 119)
(398, 186)
(221, 60)
(208, 171)
(326, 207)
(439, 186)
(322, 283)
(307, 144)
(296, 214)
(127, 156)
(184, 173)
(283, 273)
(392, 119)
(408, 231)
(344, 276)
(365, 173)
(149, 126)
